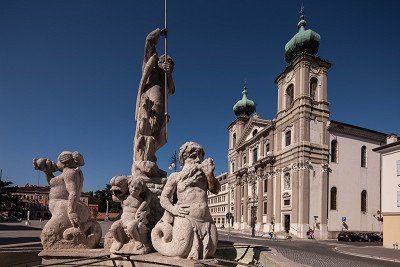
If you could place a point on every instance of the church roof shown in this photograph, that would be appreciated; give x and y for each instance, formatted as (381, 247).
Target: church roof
(304, 41)
(245, 106)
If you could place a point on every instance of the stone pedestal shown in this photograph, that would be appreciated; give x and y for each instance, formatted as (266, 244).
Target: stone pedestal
(77, 256)
(93, 257)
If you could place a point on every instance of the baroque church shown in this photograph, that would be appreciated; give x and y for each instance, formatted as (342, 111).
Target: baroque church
(301, 170)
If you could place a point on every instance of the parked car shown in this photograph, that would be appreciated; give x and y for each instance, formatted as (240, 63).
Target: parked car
(370, 237)
(348, 237)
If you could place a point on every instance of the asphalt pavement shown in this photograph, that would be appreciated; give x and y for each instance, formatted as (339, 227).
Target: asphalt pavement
(310, 252)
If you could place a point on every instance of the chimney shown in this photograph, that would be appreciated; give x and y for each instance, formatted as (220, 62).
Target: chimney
(391, 138)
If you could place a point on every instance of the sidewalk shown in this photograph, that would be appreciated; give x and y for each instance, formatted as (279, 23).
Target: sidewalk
(372, 252)
(258, 235)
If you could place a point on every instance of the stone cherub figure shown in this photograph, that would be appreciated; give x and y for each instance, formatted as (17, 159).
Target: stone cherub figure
(130, 233)
(150, 115)
(187, 229)
(71, 225)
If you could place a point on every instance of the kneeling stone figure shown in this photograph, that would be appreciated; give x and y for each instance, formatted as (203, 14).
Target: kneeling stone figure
(187, 229)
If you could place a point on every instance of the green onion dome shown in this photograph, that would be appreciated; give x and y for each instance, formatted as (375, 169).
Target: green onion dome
(305, 41)
(245, 106)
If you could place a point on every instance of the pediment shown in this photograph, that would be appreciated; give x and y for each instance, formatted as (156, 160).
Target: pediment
(255, 123)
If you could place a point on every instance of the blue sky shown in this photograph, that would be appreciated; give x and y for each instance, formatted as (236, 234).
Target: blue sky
(69, 72)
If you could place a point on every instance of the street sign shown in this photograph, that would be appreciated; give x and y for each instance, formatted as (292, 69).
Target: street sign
(344, 219)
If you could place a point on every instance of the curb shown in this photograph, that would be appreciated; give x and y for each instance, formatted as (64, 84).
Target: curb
(366, 256)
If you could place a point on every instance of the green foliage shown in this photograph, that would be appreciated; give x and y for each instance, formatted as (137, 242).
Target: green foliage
(100, 198)
(9, 203)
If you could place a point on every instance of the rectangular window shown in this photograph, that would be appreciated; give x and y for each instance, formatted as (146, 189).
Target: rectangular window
(265, 186)
(288, 138)
(398, 199)
(265, 207)
(398, 167)
(286, 202)
(255, 155)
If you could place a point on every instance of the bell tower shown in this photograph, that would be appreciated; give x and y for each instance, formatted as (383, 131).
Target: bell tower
(301, 135)
(243, 109)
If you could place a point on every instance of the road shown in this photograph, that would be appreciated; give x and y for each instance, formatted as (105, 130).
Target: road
(311, 252)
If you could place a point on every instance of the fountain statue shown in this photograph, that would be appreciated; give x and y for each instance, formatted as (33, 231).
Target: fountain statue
(71, 225)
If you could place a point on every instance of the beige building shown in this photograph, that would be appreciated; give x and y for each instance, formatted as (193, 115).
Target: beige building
(390, 155)
(219, 203)
(36, 200)
(301, 170)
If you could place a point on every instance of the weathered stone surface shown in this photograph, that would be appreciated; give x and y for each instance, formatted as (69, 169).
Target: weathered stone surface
(71, 225)
(151, 118)
(187, 230)
(141, 211)
(130, 233)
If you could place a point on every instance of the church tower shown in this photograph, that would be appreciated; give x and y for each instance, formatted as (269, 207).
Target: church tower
(301, 137)
(243, 109)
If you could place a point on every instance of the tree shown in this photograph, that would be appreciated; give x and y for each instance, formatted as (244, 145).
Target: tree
(100, 198)
(10, 204)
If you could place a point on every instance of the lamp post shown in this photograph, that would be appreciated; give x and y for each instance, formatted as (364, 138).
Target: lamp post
(173, 162)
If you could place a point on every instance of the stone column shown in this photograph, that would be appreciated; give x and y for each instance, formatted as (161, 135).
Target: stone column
(270, 200)
(245, 206)
(304, 200)
(260, 205)
(277, 202)
(294, 218)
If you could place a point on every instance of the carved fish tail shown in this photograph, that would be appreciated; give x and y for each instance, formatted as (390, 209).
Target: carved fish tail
(165, 243)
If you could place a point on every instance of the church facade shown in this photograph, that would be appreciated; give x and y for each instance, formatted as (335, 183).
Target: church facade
(301, 170)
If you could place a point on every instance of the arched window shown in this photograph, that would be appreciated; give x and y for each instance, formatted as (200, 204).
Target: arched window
(364, 201)
(313, 88)
(288, 138)
(333, 198)
(334, 151)
(289, 96)
(255, 132)
(286, 181)
(233, 139)
(364, 156)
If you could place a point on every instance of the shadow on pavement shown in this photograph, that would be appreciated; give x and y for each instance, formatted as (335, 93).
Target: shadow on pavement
(16, 240)
(16, 227)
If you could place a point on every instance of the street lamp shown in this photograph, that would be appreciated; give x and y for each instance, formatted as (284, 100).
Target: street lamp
(173, 162)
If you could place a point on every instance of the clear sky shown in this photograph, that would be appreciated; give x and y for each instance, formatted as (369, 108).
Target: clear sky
(69, 72)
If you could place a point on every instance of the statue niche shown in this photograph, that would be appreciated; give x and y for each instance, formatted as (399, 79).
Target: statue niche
(71, 225)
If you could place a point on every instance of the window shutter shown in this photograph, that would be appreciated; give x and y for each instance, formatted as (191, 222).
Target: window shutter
(398, 167)
(398, 198)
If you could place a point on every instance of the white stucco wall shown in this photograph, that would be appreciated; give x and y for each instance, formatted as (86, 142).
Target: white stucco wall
(390, 182)
(350, 179)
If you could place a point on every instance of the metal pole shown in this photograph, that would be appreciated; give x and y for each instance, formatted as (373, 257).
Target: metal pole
(165, 74)
(106, 218)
